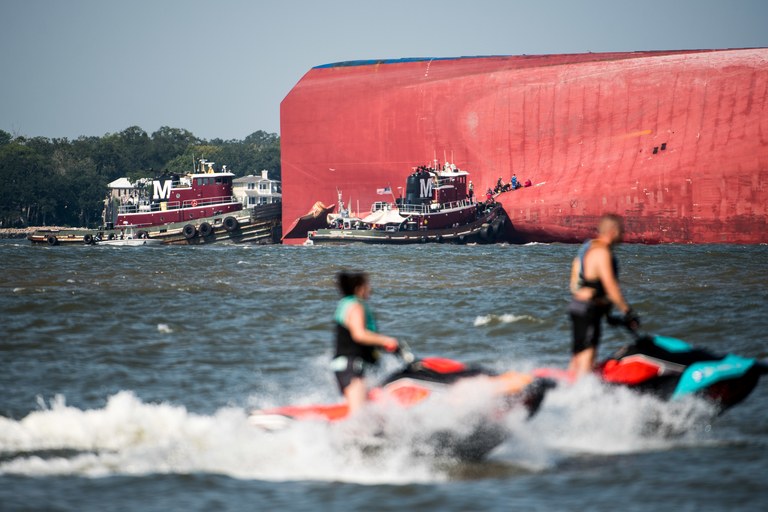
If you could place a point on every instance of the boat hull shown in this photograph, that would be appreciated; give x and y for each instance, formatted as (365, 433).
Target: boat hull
(673, 141)
(65, 236)
(133, 242)
(260, 225)
(487, 229)
(163, 217)
(297, 232)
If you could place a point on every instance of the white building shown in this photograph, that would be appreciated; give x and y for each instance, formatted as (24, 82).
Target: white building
(121, 189)
(256, 190)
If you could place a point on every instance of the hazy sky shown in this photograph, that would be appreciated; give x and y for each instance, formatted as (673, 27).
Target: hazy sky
(221, 68)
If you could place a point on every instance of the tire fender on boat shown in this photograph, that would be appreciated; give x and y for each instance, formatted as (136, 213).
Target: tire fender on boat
(88, 239)
(205, 229)
(231, 224)
(484, 231)
(189, 231)
(52, 240)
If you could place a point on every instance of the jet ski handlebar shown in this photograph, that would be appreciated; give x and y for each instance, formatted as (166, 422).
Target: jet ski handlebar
(405, 353)
(630, 321)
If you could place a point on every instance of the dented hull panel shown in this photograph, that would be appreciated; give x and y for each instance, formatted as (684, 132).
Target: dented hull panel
(677, 142)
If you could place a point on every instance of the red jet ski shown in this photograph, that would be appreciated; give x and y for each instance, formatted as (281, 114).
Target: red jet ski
(670, 369)
(423, 379)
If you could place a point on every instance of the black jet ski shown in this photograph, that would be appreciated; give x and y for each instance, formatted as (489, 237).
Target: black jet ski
(421, 380)
(671, 369)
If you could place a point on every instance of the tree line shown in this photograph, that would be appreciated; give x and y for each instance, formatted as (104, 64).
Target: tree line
(61, 182)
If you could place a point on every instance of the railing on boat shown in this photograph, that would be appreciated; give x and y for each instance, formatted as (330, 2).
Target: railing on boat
(406, 209)
(175, 205)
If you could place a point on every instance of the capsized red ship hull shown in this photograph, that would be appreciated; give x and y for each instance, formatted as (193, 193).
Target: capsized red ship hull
(676, 141)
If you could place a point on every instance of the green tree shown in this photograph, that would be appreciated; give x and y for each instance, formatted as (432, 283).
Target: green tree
(5, 138)
(169, 143)
(25, 195)
(58, 181)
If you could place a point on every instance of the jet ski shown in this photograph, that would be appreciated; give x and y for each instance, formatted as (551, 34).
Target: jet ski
(421, 380)
(670, 369)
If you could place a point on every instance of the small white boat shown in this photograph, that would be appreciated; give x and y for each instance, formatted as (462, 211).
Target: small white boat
(128, 237)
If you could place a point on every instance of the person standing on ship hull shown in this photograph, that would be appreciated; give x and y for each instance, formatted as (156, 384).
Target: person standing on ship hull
(595, 289)
(356, 338)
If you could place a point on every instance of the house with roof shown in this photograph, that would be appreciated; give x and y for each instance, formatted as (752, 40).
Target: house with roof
(257, 190)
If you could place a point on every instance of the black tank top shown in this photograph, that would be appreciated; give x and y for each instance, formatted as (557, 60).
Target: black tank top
(345, 345)
(596, 284)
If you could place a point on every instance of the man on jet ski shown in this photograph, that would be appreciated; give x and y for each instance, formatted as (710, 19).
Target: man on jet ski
(595, 288)
(356, 338)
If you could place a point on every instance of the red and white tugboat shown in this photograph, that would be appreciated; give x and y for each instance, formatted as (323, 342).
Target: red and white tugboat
(197, 208)
(173, 198)
(437, 207)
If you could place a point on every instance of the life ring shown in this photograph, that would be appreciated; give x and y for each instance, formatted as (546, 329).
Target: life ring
(52, 240)
(231, 224)
(88, 239)
(205, 229)
(194, 202)
(189, 232)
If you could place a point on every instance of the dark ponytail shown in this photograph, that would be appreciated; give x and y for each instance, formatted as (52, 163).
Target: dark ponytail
(348, 281)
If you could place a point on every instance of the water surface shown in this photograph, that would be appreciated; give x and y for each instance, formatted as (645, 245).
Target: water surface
(128, 374)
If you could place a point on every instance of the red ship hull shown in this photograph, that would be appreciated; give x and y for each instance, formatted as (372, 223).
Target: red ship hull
(677, 142)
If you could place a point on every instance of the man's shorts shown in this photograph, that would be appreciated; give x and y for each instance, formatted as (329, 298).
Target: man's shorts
(586, 318)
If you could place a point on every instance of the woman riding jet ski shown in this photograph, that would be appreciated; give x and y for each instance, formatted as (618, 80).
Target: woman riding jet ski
(423, 381)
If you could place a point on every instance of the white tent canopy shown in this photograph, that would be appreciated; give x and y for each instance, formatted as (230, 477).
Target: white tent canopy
(385, 217)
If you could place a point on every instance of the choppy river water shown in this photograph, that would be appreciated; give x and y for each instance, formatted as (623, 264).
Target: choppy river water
(127, 375)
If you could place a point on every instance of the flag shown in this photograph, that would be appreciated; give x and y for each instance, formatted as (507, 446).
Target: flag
(382, 191)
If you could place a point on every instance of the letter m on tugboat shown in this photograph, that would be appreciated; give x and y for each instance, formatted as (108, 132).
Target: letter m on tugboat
(426, 187)
(161, 189)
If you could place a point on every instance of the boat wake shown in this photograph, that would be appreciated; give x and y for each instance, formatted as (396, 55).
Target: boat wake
(589, 418)
(130, 437)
